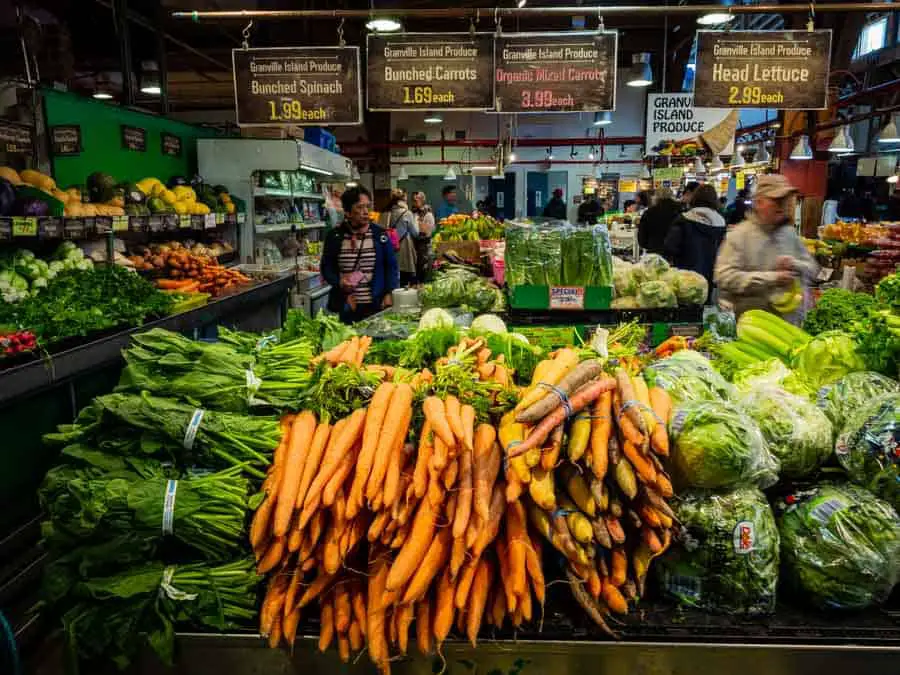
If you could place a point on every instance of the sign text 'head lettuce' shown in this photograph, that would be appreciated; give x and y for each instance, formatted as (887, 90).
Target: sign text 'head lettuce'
(297, 86)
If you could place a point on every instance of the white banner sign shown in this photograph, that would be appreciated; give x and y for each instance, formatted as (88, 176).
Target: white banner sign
(675, 128)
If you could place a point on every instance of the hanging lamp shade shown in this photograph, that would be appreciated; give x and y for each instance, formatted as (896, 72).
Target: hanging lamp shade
(802, 150)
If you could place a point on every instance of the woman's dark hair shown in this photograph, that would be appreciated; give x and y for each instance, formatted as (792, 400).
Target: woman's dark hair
(705, 196)
(447, 190)
(628, 202)
(351, 197)
(644, 197)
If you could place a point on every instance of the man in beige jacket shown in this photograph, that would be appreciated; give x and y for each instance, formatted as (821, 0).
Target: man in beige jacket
(763, 255)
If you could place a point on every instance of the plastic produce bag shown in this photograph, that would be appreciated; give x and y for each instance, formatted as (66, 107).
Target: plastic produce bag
(851, 393)
(689, 376)
(841, 546)
(869, 448)
(725, 555)
(796, 431)
(715, 445)
(656, 294)
(691, 288)
(826, 358)
(651, 267)
(624, 283)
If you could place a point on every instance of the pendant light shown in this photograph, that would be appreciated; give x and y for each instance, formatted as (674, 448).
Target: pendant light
(737, 161)
(402, 175)
(716, 165)
(699, 167)
(383, 25)
(433, 118)
(450, 175)
(641, 73)
(802, 149)
(762, 157)
(601, 119)
(150, 78)
(889, 133)
(645, 173)
(841, 143)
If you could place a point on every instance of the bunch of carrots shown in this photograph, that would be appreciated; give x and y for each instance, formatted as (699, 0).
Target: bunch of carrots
(352, 351)
(603, 505)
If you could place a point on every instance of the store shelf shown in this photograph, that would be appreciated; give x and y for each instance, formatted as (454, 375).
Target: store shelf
(34, 376)
(286, 193)
(273, 228)
(52, 228)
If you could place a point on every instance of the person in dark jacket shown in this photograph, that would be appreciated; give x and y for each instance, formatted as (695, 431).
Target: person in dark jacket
(737, 210)
(590, 210)
(358, 261)
(556, 207)
(656, 221)
(694, 238)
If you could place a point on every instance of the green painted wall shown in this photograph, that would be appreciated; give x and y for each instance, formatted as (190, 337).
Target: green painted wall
(102, 141)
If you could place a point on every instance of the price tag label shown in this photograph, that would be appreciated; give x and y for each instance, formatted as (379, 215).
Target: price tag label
(198, 222)
(24, 226)
(120, 224)
(5, 229)
(210, 221)
(567, 297)
(184, 221)
(155, 223)
(220, 218)
(73, 228)
(50, 227)
(170, 222)
(90, 225)
(103, 224)
(230, 219)
(137, 223)
(241, 218)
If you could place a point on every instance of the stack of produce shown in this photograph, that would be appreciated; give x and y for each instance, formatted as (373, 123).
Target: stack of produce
(457, 286)
(651, 282)
(545, 255)
(22, 273)
(465, 227)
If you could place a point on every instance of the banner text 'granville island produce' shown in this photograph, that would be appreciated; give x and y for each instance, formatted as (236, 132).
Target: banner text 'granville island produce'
(297, 86)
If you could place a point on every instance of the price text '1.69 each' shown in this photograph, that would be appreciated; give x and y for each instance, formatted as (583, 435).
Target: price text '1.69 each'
(753, 95)
(425, 95)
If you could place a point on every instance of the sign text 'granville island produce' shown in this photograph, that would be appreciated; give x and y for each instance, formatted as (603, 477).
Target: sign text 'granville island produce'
(763, 69)
(297, 86)
(421, 71)
(555, 72)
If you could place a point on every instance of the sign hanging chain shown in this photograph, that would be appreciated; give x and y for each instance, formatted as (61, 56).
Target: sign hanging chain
(811, 23)
(245, 43)
(601, 26)
(473, 21)
(340, 34)
(497, 20)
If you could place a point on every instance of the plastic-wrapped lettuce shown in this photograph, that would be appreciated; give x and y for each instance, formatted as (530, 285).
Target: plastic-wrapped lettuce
(715, 445)
(624, 283)
(851, 393)
(689, 376)
(769, 373)
(826, 358)
(651, 267)
(796, 431)
(725, 557)
(869, 447)
(691, 288)
(656, 294)
(841, 546)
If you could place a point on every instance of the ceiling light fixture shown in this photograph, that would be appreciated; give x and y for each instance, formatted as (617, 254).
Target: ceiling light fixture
(801, 149)
(351, 183)
(762, 157)
(645, 173)
(549, 153)
(521, 3)
(383, 25)
(716, 165)
(841, 143)
(512, 157)
(150, 78)
(450, 175)
(402, 175)
(102, 95)
(433, 118)
(737, 161)
(483, 168)
(641, 73)
(889, 133)
(591, 153)
(315, 169)
(601, 119)
(699, 167)
(715, 18)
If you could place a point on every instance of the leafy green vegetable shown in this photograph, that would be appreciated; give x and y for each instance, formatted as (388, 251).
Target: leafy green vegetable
(656, 294)
(850, 394)
(769, 373)
(725, 558)
(867, 447)
(715, 445)
(459, 287)
(553, 255)
(336, 392)
(826, 358)
(112, 617)
(691, 288)
(205, 513)
(586, 257)
(487, 324)
(887, 292)
(841, 546)
(796, 431)
(838, 309)
(324, 332)
(436, 317)
(689, 376)
(879, 341)
(419, 351)
(518, 353)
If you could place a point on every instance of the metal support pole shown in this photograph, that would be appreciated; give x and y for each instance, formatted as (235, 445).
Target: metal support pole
(162, 61)
(120, 19)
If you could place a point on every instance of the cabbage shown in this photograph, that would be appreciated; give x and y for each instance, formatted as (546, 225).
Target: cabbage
(624, 282)
(436, 318)
(715, 445)
(867, 447)
(852, 392)
(796, 431)
(626, 302)
(650, 267)
(689, 376)
(769, 373)
(656, 294)
(841, 546)
(826, 358)
(691, 288)
(725, 557)
(488, 323)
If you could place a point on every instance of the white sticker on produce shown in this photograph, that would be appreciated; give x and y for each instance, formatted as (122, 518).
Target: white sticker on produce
(192, 428)
(168, 517)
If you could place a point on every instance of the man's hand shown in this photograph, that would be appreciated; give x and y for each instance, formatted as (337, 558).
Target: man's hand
(346, 286)
(784, 278)
(388, 301)
(786, 263)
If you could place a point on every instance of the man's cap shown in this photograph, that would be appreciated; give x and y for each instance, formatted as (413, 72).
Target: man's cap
(774, 186)
(558, 192)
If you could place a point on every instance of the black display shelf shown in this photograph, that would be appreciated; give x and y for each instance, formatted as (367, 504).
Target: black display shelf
(608, 317)
(40, 374)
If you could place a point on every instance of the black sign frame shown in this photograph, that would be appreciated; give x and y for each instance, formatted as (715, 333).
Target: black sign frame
(8, 128)
(61, 148)
(170, 145)
(707, 102)
(613, 54)
(355, 61)
(141, 146)
(447, 37)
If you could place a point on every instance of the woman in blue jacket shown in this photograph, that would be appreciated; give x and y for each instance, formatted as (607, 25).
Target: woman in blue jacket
(358, 261)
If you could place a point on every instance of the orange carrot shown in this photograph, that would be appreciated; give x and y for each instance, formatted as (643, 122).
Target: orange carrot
(614, 599)
(495, 515)
(661, 404)
(349, 355)
(324, 432)
(533, 566)
(467, 417)
(396, 463)
(326, 626)
(416, 546)
(431, 564)
(478, 599)
(293, 589)
(512, 600)
(355, 636)
(301, 435)
(440, 456)
(444, 609)
(315, 589)
(464, 495)
(396, 424)
(436, 414)
(259, 528)
(342, 609)
(423, 626)
(517, 542)
(423, 458)
(272, 603)
(275, 635)
(404, 616)
(464, 583)
(619, 567)
(451, 472)
(336, 482)
(289, 627)
(642, 466)
(453, 409)
(376, 619)
(378, 408)
(358, 605)
(273, 555)
(487, 457)
(457, 556)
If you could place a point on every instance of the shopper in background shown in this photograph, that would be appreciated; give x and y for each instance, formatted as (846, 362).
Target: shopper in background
(630, 206)
(693, 240)
(556, 207)
(644, 199)
(425, 220)
(763, 255)
(688, 194)
(403, 228)
(657, 220)
(737, 210)
(448, 204)
(358, 261)
(590, 210)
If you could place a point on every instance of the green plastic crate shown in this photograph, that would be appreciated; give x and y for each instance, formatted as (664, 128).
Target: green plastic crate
(561, 298)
